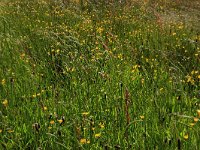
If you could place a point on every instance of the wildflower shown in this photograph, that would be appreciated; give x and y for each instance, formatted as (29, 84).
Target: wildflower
(1, 130)
(101, 125)
(5, 102)
(97, 135)
(57, 51)
(84, 141)
(22, 55)
(198, 112)
(85, 113)
(120, 56)
(192, 124)
(49, 127)
(100, 30)
(189, 79)
(142, 80)
(10, 131)
(34, 96)
(62, 120)
(180, 26)
(44, 108)
(174, 33)
(196, 119)
(52, 122)
(142, 117)
(3, 81)
(192, 72)
(186, 136)
(161, 89)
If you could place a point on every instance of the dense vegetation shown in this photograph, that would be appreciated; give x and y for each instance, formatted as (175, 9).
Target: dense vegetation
(98, 75)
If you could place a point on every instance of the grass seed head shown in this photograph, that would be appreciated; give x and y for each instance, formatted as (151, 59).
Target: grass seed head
(36, 127)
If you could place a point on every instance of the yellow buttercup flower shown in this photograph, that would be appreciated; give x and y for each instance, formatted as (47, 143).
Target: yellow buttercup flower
(84, 141)
(141, 117)
(44, 108)
(186, 136)
(34, 96)
(85, 113)
(101, 125)
(196, 119)
(60, 121)
(5, 102)
(97, 135)
(3, 81)
(52, 122)
(192, 124)
(198, 112)
(10, 131)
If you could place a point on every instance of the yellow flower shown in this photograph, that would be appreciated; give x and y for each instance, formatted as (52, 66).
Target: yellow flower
(141, 117)
(34, 95)
(186, 136)
(10, 131)
(44, 108)
(3, 81)
(5, 102)
(57, 51)
(85, 113)
(142, 80)
(101, 125)
(192, 124)
(97, 135)
(60, 121)
(196, 119)
(161, 89)
(192, 72)
(174, 33)
(49, 127)
(84, 141)
(198, 112)
(100, 29)
(1, 130)
(52, 122)
(22, 55)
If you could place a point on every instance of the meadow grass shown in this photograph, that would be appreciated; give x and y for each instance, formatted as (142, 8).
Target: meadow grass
(86, 75)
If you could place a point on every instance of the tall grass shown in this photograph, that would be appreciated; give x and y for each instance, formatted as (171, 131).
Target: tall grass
(94, 76)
